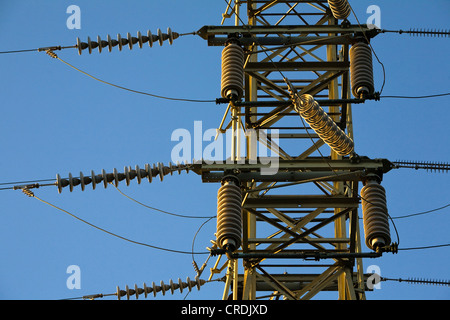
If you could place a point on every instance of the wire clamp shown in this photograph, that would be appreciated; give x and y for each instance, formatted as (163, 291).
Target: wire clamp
(393, 247)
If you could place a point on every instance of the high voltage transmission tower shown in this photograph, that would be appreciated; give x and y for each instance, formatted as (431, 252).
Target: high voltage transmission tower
(303, 64)
(288, 223)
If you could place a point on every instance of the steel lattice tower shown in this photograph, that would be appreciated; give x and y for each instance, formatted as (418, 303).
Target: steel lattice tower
(312, 214)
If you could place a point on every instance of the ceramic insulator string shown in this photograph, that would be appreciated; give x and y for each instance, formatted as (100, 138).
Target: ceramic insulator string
(361, 70)
(232, 71)
(229, 216)
(375, 215)
(162, 287)
(149, 172)
(129, 41)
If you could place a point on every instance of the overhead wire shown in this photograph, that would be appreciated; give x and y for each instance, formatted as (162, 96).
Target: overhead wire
(18, 51)
(426, 247)
(196, 233)
(21, 184)
(159, 210)
(132, 199)
(31, 194)
(26, 181)
(132, 90)
(418, 97)
(38, 49)
(194, 263)
(421, 213)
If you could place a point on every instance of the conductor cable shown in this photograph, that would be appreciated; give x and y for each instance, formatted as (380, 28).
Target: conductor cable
(159, 210)
(128, 89)
(32, 195)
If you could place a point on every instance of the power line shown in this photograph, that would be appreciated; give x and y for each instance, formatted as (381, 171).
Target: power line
(418, 97)
(53, 55)
(31, 194)
(426, 247)
(194, 263)
(18, 51)
(423, 212)
(30, 184)
(53, 48)
(27, 181)
(162, 211)
(49, 51)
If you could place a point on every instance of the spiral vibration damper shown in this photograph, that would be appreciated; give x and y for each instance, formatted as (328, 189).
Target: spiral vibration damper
(232, 80)
(162, 287)
(129, 41)
(229, 217)
(361, 70)
(375, 215)
(339, 8)
(322, 123)
(115, 177)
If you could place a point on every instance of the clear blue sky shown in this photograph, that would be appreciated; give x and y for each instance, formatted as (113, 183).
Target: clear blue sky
(56, 120)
